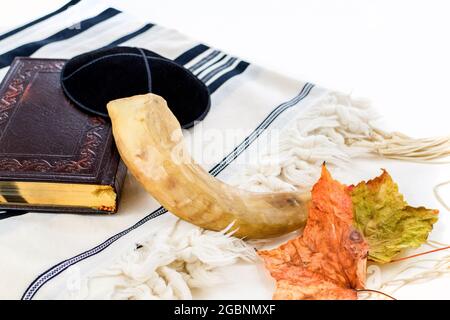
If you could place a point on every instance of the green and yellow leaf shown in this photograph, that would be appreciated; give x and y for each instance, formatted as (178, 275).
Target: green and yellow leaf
(388, 224)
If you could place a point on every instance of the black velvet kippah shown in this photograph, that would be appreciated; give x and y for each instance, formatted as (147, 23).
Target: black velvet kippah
(93, 79)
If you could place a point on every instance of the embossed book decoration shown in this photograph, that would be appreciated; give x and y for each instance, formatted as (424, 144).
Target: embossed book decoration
(53, 156)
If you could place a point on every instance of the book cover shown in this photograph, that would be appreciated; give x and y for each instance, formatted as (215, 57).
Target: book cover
(54, 157)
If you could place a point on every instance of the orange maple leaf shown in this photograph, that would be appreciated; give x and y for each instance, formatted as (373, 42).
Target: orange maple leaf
(329, 260)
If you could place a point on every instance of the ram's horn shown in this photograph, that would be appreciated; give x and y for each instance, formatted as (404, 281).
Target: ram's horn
(150, 141)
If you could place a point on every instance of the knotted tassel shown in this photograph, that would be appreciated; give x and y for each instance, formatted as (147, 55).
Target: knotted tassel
(354, 126)
(167, 264)
(335, 129)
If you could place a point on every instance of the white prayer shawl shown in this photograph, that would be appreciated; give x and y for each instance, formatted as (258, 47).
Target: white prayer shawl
(139, 252)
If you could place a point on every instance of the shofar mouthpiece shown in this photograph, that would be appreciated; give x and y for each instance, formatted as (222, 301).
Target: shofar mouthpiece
(150, 141)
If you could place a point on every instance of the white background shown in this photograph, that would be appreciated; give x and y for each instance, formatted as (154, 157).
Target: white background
(395, 53)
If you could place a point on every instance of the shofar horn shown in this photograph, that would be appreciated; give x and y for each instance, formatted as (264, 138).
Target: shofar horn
(150, 141)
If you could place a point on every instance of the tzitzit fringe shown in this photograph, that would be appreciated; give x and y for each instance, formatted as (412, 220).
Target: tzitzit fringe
(438, 195)
(351, 123)
(422, 270)
(336, 129)
(167, 265)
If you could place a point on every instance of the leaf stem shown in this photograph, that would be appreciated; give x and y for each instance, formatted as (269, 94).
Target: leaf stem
(419, 254)
(375, 291)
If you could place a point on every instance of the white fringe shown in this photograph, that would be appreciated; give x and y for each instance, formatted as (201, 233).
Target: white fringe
(439, 196)
(168, 265)
(419, 270)
(334, 130)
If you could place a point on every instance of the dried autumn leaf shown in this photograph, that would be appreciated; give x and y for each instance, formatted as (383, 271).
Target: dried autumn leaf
(388, 224)
(329, 260)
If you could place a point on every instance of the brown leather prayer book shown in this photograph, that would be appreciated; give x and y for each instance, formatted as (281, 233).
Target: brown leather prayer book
(54, 157)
